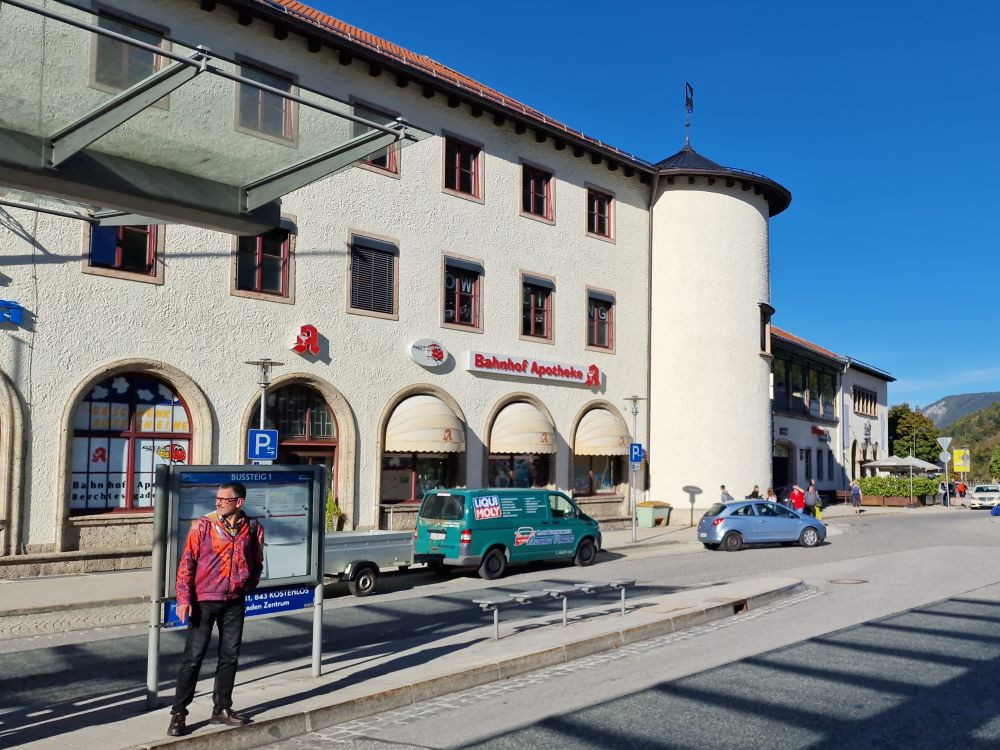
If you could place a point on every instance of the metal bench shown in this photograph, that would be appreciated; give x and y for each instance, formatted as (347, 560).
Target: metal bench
(495, 603)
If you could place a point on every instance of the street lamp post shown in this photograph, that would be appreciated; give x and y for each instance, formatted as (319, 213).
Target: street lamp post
(635, 466)
(265, 366)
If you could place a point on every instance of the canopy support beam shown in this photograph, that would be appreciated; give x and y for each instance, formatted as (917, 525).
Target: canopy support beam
(118, 110)
(307, 171)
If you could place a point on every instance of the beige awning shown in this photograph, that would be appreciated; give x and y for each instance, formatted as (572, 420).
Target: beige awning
(521, 428)
(601, 433)
(424, 423)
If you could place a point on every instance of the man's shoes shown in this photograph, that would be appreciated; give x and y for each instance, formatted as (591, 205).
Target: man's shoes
(177, 727)
(229, 717)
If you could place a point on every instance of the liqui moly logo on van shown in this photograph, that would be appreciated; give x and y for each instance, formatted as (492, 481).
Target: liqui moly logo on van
(486, 507)
(535, 369)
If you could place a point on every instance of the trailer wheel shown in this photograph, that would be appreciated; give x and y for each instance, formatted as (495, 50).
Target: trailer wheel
(362, 583)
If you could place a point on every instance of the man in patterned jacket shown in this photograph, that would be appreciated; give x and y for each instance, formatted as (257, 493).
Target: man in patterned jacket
(222, 563)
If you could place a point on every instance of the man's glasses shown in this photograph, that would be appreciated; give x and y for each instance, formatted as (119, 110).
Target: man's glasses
(226, 499)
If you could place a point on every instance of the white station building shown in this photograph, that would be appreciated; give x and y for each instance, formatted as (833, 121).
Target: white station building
(461, 290)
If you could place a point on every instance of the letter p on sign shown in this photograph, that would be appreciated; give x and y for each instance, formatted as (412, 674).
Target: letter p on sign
(262, 445)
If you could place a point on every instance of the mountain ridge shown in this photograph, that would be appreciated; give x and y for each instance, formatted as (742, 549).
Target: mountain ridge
(946, 411)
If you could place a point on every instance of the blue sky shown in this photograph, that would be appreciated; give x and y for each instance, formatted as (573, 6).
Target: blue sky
(882, 118)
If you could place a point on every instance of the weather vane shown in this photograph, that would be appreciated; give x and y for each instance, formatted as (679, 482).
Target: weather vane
(689, 106)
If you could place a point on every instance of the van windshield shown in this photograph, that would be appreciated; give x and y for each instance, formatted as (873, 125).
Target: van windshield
(715, 509)
(445, 507)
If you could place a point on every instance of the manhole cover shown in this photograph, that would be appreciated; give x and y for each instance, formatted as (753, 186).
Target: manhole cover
(848, 581)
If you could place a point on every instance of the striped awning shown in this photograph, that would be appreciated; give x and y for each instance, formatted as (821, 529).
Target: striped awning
(601, 433)
(521, 428)
(424, 423)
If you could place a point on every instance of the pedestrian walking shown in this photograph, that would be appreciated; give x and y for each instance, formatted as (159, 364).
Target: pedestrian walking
(724, 496)
(943, 489)
(812, 498)
(961, 490)
(856, 496)
(222, 562)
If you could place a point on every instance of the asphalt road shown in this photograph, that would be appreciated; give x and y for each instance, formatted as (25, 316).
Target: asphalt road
(896, 644)
(916, 557)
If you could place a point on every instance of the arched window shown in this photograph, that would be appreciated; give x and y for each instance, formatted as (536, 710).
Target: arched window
(307, 429)
(122, 430)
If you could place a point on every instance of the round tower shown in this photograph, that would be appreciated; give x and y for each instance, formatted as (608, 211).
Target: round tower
(710, 367)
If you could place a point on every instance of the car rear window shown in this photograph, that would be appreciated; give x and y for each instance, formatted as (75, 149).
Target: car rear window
(715, 509)
(443, 506)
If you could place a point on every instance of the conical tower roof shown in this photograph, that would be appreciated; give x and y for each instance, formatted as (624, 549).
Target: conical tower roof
(689, 163)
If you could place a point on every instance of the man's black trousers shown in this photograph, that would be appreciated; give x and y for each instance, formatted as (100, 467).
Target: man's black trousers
(204, 617)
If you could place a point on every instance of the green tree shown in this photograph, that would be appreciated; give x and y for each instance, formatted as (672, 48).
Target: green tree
(995, 463)
(911, 430)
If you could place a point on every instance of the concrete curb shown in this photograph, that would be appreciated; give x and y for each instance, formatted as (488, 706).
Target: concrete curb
(48, 608)
(280, 728)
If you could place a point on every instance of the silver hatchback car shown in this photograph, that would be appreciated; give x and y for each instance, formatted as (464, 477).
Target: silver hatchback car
(730, 526)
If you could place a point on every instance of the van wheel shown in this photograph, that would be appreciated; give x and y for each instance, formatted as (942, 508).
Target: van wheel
(586, 553)
(363, 582)
(493, 566)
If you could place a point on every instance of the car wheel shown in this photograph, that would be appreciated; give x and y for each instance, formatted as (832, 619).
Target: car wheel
(732, 542)
(809, 537)
(493, 566)
(586, 553)
(710, 546)
(363, 582)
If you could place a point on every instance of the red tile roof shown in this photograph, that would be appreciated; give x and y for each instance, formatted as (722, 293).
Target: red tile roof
(427, 66)
(792, 338)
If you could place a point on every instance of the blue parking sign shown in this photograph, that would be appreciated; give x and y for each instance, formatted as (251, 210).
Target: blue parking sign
(262, 445)
(635, 453)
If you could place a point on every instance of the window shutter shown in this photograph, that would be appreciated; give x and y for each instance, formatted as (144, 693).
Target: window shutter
(372, 279)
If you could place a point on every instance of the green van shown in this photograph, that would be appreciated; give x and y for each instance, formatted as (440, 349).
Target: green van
(493, 527)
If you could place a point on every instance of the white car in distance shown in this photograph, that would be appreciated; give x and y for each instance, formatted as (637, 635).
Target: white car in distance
(984, 496)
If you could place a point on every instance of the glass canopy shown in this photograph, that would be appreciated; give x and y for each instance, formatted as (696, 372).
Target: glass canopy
(99, 112)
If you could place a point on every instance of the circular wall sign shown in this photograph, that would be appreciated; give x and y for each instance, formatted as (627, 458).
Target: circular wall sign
(428, 352)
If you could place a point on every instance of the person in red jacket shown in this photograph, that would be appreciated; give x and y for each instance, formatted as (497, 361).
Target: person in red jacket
(798, 498)
(222, 562)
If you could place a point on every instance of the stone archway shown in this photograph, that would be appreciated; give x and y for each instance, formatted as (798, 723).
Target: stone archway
(347, 436)
(11, 467)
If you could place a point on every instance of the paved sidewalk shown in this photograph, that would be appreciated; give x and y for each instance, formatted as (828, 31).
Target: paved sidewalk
(285, 700)
(89, 591)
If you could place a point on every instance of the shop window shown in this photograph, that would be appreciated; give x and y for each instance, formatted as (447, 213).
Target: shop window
(536, 192)
(406, 477)
(127, 249)
(118, 65)
(373, 277)
(829, 464)
(263, 263)
(264, 112)
(814, 394)
(528, 470)
(536, 310)
(596, 475)
(819, 465)
(123, 429)
(827, 395)
(808, 464)
(599, 213)
(780, 384)
(461, 167)
(797, 387)
(600, 320)
(300, 414)
(387, 157)
(461, 294)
